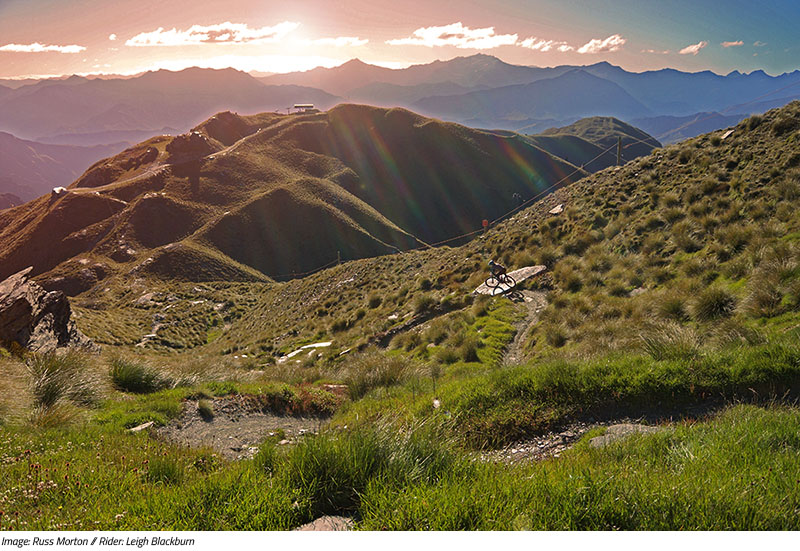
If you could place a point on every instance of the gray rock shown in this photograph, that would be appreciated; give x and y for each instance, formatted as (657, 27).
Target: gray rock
(328, 524)
(34, 318)
(618, 432)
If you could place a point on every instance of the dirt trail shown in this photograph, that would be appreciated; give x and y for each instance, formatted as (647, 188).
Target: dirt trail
(534, 302)
(236, 430)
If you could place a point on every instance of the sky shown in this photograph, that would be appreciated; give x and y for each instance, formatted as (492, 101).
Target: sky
(60, 37)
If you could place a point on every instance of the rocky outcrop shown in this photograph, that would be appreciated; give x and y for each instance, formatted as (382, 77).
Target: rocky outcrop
(34, 318)
(187, 147)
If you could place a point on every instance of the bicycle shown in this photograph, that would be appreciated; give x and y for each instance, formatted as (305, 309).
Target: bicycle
(497, 282)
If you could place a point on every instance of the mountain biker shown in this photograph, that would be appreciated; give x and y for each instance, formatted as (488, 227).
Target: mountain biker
(498, 270)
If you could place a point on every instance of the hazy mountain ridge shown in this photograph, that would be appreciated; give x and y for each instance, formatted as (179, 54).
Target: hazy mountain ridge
(575, 94)
(29, 169)
(154, 101)
(665, 92)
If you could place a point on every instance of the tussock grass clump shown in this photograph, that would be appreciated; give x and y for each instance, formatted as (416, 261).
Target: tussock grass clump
(61, 375)
(333, 471)
(424, 303)
(137, 377)
(713, 303)
(687, 237)
(468, 351)
(372, 370)
(55, 416)
(673, 307)
(671, 342)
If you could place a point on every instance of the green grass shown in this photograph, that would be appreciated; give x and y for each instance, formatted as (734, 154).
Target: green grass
(735, 472)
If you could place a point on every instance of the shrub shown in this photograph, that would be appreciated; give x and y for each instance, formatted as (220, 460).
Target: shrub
(374, 301)
(132, 376)
(61, 375)
(713, 303)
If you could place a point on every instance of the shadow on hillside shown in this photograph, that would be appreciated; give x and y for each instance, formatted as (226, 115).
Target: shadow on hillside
(191, 171)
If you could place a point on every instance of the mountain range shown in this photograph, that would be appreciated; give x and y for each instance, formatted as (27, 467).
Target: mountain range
(474, 90)
(478, 90)
(29, 169)
(91, 111)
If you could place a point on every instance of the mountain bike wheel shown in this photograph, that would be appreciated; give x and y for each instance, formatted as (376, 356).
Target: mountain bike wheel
(510, 281)
(492, 283)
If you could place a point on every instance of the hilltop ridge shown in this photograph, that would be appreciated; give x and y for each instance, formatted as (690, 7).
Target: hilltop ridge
(270, 196)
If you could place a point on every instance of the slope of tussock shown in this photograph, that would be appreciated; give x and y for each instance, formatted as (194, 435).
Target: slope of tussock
(433, 179)
(312, 218)
(49, 230)
(156, 220)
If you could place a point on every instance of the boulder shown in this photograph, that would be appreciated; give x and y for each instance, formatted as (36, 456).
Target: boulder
(34, 318)
(620, 431)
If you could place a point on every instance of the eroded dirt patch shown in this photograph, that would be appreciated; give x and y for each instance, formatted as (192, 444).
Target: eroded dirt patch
(540, 447)
(236, 429)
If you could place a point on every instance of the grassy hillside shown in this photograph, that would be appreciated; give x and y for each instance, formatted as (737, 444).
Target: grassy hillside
(278, 195)
(671, 297)
(604, 133)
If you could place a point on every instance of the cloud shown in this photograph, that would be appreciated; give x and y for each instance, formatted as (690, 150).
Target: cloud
(545, 45)
(221, 33)
(38, 48)
(731, 44)
(651, 51)
(759, 44)
(595, 46)
(456, 35)
(694, 48)
(112, 36)
(340, 41)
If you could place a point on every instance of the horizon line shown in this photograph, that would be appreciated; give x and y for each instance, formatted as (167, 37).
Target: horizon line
(384, 65)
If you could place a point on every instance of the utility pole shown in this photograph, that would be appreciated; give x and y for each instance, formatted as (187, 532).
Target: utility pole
(338, 257)
(619, 151)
